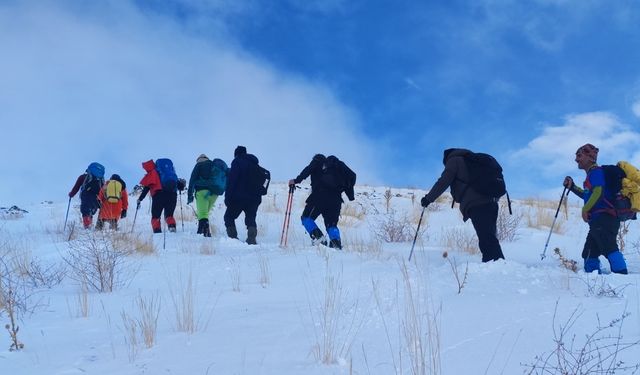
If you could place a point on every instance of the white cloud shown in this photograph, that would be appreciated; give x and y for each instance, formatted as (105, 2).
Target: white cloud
(119, 86)
(553, 152)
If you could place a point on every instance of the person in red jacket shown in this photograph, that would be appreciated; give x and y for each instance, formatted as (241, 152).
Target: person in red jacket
(114, 202)
(161, 200)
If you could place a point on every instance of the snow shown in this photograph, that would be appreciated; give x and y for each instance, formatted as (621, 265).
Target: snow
(265, 309)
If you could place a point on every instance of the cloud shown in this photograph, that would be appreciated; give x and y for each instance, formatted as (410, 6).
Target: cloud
(553, 152)
(120, 85)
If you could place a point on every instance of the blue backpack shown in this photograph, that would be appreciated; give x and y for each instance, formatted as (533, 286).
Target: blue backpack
(219, 172)
(168, 177)
(96, 170)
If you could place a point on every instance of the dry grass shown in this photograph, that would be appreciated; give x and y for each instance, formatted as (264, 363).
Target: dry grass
(234, 274)
(459, 239)
(264, 277)
(368, 248)
(135, 243)
(542, 217)
(183, 297)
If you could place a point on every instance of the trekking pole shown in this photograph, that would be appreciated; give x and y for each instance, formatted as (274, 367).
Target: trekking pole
(135, 215)
(181, 215)
(417, 230)
(66, 216)
(287, 217)
(544, 252)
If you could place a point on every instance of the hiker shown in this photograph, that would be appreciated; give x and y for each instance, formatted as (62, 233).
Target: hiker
(89, 184)
(245, 187)
(163, 197)
(114, 202)
(207, 182)
(329, 178)
(598, 213)
(480, 208)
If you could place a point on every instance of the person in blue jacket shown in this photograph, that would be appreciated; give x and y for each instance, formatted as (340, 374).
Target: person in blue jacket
(598, 213)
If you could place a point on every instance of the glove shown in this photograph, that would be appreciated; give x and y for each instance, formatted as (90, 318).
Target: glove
(123, 214)
(189, 199)
(182, 183)
(137, 205)
(70, 195)
(292, 183)
(568, 182)
(425, 201)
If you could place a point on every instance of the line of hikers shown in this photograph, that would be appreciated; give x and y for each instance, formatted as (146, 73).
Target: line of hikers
(243, 184)
(475, 181)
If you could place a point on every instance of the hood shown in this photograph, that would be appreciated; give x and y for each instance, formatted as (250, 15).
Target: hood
(149, 165)
(451, 152)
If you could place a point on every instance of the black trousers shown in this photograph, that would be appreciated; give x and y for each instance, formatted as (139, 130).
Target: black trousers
(328, 208)
(601, 239)
(484, 218)
(235, 208)
(163, 200)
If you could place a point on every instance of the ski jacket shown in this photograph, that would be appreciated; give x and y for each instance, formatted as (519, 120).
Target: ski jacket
(456, 177)
(109, 210)
(238, 188)
(320, 193)
(151, 180)
(593, 193)
(201, 177)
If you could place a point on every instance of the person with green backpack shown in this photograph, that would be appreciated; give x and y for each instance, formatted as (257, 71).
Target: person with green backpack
(208, 181)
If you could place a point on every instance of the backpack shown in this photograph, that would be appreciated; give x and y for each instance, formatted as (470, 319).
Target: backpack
(336, 175)
(258, 178)
(219, 170)
(94, 178)
(113, 191)
(168, 177)
(485, 174)
(614, 178)
(96, 170)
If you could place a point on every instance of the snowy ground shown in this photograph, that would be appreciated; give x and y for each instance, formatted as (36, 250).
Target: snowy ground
(311, 310)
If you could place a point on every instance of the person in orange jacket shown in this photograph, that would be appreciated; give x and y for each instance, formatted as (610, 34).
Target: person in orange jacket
(114, 202)
(161, 200)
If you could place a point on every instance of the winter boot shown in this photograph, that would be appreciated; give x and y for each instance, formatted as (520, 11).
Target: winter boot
(232, 232)
(156, 225)
(86, 221)
(617, 262)
(335, 244)
(200, 226)
(99, 224)
(206, 230)
(252, 232)
(113, 225)
(172, 228)
(317, 237)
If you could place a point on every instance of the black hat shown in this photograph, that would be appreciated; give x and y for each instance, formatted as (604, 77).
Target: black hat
(240, 150)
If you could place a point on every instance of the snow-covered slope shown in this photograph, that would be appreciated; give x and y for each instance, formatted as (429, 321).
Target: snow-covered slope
(311, 310)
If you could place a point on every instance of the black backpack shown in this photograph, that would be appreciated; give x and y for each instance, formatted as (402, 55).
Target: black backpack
(485, 175)
(336, 175)
(258, 178)
(613, 176)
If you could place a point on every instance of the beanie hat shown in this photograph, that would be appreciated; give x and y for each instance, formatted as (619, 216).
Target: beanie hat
(589, 150)
(202, 158)
(240, 150)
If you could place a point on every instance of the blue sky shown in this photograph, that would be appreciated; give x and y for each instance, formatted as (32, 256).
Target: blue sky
(386, 86)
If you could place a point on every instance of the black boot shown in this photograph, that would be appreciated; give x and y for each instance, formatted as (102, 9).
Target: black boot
(336, 244)
(200, 226)
(232, 232)
(172, 228)
(252, 233)
(317, 237)
(206, 230)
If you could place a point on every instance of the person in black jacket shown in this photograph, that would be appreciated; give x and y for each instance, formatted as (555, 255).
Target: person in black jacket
(325, 198)
(481, 209)
(241, 196)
